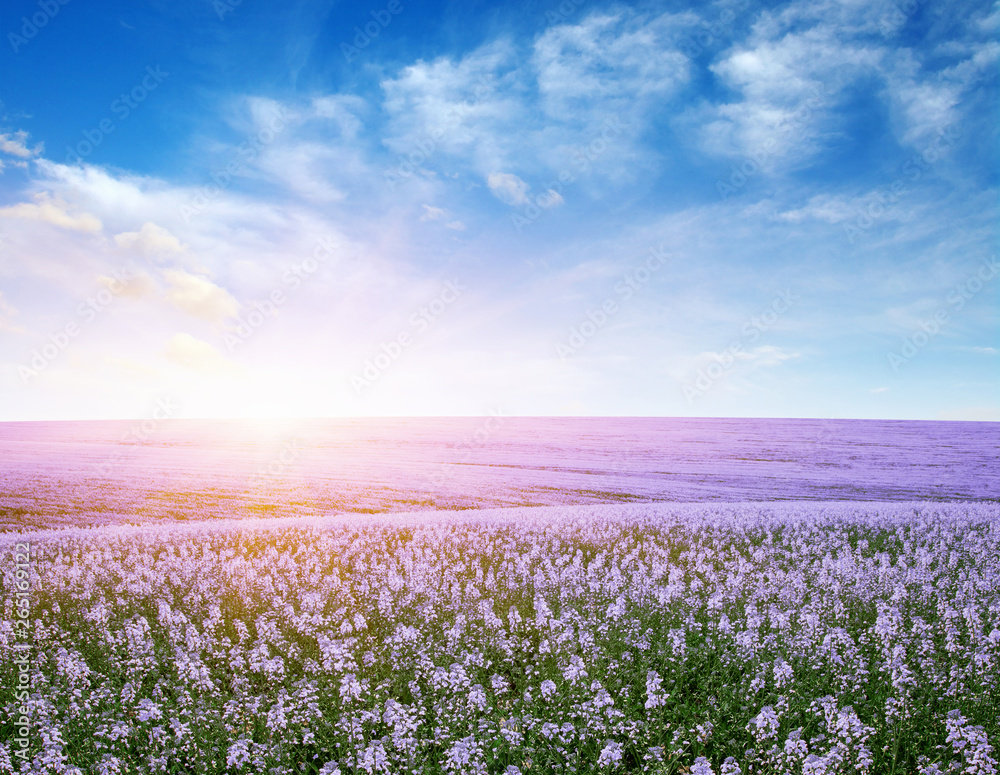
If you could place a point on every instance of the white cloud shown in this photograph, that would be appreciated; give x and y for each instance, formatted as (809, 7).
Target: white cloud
(199, 296)
(16, 144)
(433, 213)
(609, 64)
(197, 355)
(508, 188)
(833, 48)
(312, 170)
(926, 100)
(584, 89)
(921, 105)
(743, 360)
(343, 109)
(134, 286)
(550, 199)
(149, 240)
(793, 69)
(54, 212)
(768, 355)
(823, 207)
(473, 107)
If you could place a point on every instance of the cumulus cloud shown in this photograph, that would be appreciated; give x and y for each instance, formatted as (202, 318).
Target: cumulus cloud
(133, 286)
(199, 296)
(54, 212)
(197, 355)
(149, 240)
(16, 144)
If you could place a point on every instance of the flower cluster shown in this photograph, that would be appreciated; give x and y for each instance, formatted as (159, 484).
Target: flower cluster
(712, 639)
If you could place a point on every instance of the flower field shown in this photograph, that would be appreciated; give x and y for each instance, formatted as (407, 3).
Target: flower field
(703, 638)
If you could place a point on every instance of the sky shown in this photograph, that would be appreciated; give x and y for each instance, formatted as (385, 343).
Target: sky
(245, 208)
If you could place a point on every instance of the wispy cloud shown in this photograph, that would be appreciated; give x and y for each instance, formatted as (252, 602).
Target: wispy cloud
(54, 212)
(741, 144)
(149, 240)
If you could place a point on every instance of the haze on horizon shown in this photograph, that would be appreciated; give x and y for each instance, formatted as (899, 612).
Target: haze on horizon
(731, 209)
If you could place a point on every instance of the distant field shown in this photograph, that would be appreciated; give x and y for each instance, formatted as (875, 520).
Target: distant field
(93, 473)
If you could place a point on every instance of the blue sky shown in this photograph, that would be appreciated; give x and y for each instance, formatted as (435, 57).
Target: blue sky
(579, 208)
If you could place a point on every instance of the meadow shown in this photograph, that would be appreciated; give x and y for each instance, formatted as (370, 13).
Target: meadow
(783, 637)
(60, 474)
